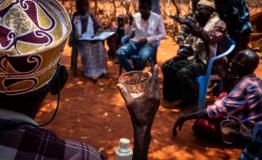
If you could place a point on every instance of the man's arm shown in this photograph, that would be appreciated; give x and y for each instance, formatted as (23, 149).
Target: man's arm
(142, 112)
(181, 120)
(215, 35)
(235, 101)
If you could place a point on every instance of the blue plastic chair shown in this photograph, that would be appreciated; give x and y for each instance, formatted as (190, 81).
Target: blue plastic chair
(203, 80)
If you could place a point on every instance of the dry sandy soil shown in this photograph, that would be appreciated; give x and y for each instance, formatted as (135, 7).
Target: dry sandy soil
(95, 113)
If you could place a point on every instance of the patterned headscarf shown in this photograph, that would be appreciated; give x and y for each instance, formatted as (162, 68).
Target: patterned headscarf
(32, 35)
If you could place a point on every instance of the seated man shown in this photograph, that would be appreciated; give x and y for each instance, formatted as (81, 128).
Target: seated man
(243, 102)
(149, 29)
(179, 73)
(30, 70)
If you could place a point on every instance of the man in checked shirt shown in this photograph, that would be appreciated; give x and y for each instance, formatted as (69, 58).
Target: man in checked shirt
(243, 102)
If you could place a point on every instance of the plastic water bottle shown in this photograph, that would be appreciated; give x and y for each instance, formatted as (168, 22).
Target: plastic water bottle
(124, 151)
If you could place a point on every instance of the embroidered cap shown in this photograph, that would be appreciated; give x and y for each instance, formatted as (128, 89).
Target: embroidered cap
(32, 35)
(209, 3)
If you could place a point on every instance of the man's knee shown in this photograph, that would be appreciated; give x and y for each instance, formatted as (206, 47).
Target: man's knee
(145, 54)
(144, 57)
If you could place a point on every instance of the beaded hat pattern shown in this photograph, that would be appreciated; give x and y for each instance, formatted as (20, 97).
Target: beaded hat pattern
(32, 35)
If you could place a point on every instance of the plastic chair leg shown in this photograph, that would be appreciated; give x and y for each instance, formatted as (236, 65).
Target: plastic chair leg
(202, 89)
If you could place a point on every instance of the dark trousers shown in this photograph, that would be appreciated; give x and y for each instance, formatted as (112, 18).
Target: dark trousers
(113, 44)
(74, 56)
(179, 78)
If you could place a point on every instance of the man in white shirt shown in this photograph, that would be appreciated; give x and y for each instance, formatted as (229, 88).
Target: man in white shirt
(149, 29)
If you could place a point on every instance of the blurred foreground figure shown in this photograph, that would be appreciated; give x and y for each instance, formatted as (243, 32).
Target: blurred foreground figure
(33, 34)
(243, 102)
(30, 50)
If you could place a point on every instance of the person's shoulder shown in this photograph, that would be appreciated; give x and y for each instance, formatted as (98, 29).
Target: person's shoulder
(248, 81)
(137, 15)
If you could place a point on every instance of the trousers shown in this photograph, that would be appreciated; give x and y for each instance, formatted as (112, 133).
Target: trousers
(138, 54)
(179, 78)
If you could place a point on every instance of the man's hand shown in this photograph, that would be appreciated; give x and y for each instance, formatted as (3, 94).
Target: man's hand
(194, 27)
(190, 23)
(143, 109)
(179, 124)
(142, 42)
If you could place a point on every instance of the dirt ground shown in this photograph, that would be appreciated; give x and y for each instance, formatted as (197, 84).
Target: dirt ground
(95, 113)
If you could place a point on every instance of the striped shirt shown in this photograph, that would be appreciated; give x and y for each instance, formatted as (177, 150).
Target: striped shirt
(24, 142)
(244, 101)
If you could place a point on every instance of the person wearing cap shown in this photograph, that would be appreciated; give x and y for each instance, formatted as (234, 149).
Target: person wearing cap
(208, 31)
(148, 29)
(33, 35)
(92, 53)
(243, 102)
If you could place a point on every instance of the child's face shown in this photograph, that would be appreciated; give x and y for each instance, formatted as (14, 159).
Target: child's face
(121, 23)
